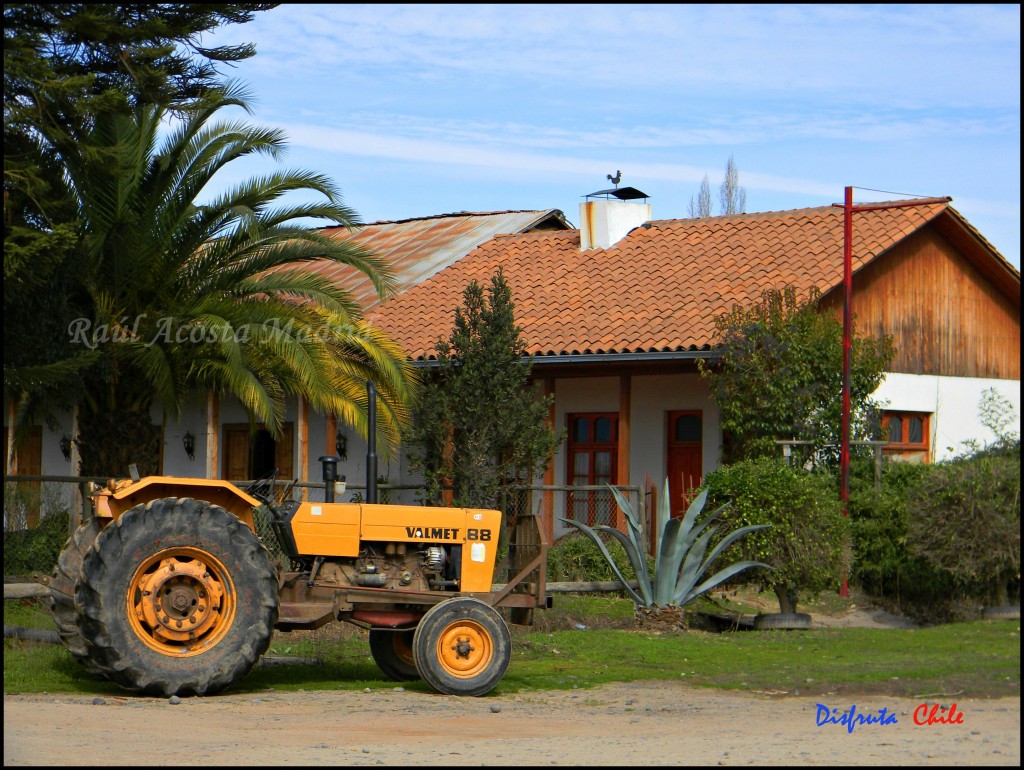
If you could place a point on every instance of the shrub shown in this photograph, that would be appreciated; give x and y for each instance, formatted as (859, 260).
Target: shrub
(33, 550)
(882, 564)
(808, 541)
(964, 519)
(36, 550)
(574, 558)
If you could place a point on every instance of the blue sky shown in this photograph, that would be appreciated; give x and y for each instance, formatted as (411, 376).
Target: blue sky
(428, 109)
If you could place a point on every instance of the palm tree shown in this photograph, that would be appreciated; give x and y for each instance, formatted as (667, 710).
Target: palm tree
(187, 297)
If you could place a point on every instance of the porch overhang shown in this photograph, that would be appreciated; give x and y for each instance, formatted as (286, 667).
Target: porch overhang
(657, 356)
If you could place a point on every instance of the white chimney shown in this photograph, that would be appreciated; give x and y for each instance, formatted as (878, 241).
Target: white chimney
(604, 222)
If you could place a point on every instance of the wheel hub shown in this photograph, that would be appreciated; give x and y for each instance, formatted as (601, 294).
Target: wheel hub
(465, 649)
(179, 602)
(462, 648)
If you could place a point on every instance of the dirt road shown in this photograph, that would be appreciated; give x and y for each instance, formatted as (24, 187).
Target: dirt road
(646, 722)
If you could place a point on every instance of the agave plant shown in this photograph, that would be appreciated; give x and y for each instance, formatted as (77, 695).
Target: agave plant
(681, 562)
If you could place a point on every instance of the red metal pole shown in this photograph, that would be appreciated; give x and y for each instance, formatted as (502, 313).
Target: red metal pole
(844, 452)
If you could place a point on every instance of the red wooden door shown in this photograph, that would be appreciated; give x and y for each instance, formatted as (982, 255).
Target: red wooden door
(685, 463)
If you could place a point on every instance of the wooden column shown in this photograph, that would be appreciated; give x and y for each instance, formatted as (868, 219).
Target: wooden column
(330, 434)
(12, 458)
(212, 434)
(76, 467)
(303, 458)
(625, 407)
(549, 473)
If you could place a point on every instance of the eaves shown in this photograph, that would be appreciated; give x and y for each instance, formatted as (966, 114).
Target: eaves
(660, 356)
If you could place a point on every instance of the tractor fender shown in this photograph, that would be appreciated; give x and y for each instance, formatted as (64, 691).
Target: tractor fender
(111, 504)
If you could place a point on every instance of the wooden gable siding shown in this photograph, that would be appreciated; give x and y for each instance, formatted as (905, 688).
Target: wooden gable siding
(945, 316)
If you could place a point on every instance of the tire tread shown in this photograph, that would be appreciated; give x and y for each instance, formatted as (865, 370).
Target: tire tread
(103, 615)
(68, 571)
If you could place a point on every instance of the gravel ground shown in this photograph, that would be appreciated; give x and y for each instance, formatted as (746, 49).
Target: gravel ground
(654, 723)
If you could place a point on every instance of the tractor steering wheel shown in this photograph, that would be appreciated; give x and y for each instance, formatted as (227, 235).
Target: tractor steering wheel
(263, 488)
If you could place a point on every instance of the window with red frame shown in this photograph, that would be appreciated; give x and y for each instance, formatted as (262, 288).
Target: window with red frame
(593, 446)
(908, 434)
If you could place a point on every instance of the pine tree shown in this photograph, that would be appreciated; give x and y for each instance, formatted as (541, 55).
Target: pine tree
(480, 428)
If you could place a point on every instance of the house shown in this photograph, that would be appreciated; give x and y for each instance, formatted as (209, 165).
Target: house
(616, 314)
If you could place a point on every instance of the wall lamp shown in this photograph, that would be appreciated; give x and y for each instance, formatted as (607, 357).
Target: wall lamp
(341, 444)
(189, 441)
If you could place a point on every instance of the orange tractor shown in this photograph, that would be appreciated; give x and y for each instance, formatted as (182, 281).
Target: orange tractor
(168, 590)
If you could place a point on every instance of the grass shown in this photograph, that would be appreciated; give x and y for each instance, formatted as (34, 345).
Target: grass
(978, 659)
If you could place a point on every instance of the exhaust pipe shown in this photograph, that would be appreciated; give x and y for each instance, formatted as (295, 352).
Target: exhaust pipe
(330, 466)
(330, 462)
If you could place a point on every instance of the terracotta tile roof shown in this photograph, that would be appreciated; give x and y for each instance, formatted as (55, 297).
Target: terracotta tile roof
(658, 289)
(415, 249)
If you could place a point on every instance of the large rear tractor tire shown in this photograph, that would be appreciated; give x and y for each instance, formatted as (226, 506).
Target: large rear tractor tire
(66, 575)
(392, 652)
(462, 647)
(178, 597)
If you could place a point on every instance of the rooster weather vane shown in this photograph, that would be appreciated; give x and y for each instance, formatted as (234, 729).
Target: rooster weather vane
(615, 179)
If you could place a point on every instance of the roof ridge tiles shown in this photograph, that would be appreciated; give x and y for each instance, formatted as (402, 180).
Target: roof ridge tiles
(747, 215)
(449, 215)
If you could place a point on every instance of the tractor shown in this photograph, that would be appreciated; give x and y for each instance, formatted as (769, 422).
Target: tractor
(168, 590)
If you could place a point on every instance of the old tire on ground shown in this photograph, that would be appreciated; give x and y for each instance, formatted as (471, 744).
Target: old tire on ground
(392, 652)
(178, 597)
(462, 647)
(1007, 612)
(783, 621)
(67, 573)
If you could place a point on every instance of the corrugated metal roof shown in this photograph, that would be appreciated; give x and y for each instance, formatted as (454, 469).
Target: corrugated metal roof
(416, 249)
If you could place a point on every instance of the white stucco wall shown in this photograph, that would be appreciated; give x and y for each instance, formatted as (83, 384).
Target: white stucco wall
(954, 404)
(193, 420)
(653, 396)
(56, 495)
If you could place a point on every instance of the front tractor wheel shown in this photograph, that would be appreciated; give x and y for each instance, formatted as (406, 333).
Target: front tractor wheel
(462, 647)
(178, 597)
(392, 652)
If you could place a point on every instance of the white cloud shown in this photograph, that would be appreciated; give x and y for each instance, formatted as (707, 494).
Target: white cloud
(931, 55)
(355, 143)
